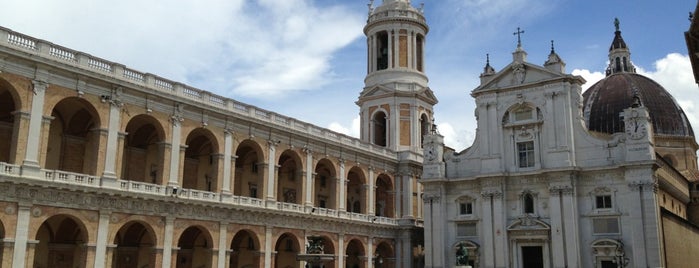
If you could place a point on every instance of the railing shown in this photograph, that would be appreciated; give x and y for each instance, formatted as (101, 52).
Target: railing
(52, 52)
(71, 178)
(9, 169)
(142, 187)
(162, 190)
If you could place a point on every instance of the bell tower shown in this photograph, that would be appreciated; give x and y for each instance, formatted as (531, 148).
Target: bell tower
(396, 103)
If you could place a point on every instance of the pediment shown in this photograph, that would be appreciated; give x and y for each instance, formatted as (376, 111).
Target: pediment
(527, 223)
(519, 74)
(380, 91)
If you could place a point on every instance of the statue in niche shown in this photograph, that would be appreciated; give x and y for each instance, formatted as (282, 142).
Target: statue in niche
(461, 256)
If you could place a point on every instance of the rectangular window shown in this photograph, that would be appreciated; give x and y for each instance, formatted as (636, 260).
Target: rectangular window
(605, 226)
(466, 229)
(525, 154)
(603, 201)
(466, 208)
(523, 114)
(253, 191)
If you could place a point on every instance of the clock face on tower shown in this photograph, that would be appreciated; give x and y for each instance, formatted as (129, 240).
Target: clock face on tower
(635, 129)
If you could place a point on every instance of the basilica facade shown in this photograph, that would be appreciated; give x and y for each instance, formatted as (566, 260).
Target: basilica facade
(102, 165)
(561, 178)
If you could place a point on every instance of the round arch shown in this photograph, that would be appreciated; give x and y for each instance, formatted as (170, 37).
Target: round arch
(379, 128)
(9, 103)
(245, 250)
(289, 177)
(325, 184)
(143, 153)
(384, 196)
(195, 245)
(356, 254)
(287, 247)
(384, 255)
(356, 190)
(73, 143)
(135, 243)
(201, 161)
(61, 242)
(249, 180)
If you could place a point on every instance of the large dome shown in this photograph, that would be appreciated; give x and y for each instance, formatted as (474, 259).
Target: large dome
(605, 100)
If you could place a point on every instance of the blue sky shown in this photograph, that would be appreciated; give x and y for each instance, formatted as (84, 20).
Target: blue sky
(306, 58)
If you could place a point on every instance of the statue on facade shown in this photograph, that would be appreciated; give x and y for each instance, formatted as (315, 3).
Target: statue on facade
(461, 256)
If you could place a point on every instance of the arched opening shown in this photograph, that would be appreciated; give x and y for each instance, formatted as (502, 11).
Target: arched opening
(62, 242)
(355, 254)
(143, 151)
(248, 170)
(201, 161)
(384, 197)
(382, 51)
(7, 122)
(135, 246)
(383, 256)
(245, 250)
(356, 191)
(289, 178)
(419, 40)
(195, 248)
(73, 137)
(287, 247)
(528, 200)
(325, 185)
(617, 64)
(425, 125)
(380, 135)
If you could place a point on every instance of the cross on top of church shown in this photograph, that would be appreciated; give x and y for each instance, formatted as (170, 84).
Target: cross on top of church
(518, 34)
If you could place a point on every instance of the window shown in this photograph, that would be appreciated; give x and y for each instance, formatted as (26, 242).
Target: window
(603, 202)
(254, 167)
(522, 114)
(525, 154)
(528, 201)
(466, 229)
(466, 208)
(253, 191)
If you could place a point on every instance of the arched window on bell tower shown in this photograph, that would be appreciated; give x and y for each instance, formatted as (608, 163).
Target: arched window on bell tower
(418, 53)
(382, 51)
(424, 128)
(379, 126)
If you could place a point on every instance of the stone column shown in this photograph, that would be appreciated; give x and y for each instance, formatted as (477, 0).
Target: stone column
(408, 196)
(272, 167)
(109, 174)
(222, 244)
(371, 193)
(390, 47)
(268, 245)
(500, 225)
(21, 235)
(570, 222)
(405, 254)
(167, 242)
(30, 166)
(308, 180)
(176, 121)
(488, 230)
(227, 161)
(558, 243)
(342, 188)
(341, 250)
(101, 246)
(370, 253)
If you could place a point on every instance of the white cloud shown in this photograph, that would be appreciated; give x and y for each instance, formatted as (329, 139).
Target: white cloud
(590, 77)
(456, 138)
(353, 130)
(252, 48)
(674, 73)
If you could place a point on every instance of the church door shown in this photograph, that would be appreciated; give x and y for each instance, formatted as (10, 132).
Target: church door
(532, 257)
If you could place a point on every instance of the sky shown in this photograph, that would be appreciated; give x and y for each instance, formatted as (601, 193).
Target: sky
(306, 59)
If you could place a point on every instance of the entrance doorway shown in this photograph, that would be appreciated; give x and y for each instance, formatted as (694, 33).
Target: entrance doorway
(532, 257)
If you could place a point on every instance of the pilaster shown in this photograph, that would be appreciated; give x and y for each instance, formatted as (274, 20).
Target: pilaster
(101, 246)
(30, 165)
(167, 242)
(21, 235)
